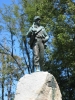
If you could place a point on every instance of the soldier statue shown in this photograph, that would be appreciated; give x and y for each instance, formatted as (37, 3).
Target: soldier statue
(38, 38)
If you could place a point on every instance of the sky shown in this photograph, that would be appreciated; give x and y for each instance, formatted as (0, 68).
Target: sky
(8, 2)
(6, 34)
(4, 2)
(73, 1)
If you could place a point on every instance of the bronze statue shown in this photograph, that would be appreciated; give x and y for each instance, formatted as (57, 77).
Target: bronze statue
(38, 38)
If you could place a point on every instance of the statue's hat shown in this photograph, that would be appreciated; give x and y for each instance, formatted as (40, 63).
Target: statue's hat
(37, 18)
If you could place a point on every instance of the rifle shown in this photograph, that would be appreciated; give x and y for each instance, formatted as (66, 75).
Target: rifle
(32, 38)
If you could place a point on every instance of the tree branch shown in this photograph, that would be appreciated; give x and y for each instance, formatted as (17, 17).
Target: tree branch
(2, 52)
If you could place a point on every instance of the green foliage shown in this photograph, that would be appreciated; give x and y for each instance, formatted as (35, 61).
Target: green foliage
(9, 72)
(59, 18)
(12, 66)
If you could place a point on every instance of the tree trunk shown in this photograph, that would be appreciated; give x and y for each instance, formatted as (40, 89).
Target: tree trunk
(2, 88)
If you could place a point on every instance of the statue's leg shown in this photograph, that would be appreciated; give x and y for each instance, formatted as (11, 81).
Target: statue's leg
(36, 57)
(41, 53)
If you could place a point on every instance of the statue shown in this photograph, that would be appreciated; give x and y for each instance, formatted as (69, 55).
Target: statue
(38, 38)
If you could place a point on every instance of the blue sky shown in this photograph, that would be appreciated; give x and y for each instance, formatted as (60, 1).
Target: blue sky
(4, 2)
(7, 34)
(73, 1)
(8, 2)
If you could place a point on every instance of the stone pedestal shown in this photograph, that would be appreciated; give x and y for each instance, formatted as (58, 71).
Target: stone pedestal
(38, 86)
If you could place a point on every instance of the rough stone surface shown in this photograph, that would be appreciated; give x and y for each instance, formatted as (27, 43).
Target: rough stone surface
(38, 86)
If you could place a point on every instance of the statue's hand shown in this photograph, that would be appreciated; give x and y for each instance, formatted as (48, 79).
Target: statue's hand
(34, 29)
(43, 40)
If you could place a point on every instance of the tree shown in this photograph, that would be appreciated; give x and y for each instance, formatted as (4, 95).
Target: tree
(14, 20)
(58, 17)
(12, 66)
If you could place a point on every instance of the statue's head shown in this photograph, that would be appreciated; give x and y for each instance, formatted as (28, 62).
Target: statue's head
(37, 20)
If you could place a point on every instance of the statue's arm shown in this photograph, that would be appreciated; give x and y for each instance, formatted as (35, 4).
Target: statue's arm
(29, 32)
(46, 37)
(32, 30)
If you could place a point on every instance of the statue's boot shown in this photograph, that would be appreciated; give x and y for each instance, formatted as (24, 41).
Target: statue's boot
(37, 68)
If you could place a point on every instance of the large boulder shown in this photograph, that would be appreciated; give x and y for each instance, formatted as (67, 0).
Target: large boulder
(38, 86)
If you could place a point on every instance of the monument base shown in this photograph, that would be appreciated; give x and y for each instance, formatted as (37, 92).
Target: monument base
(38, 86)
